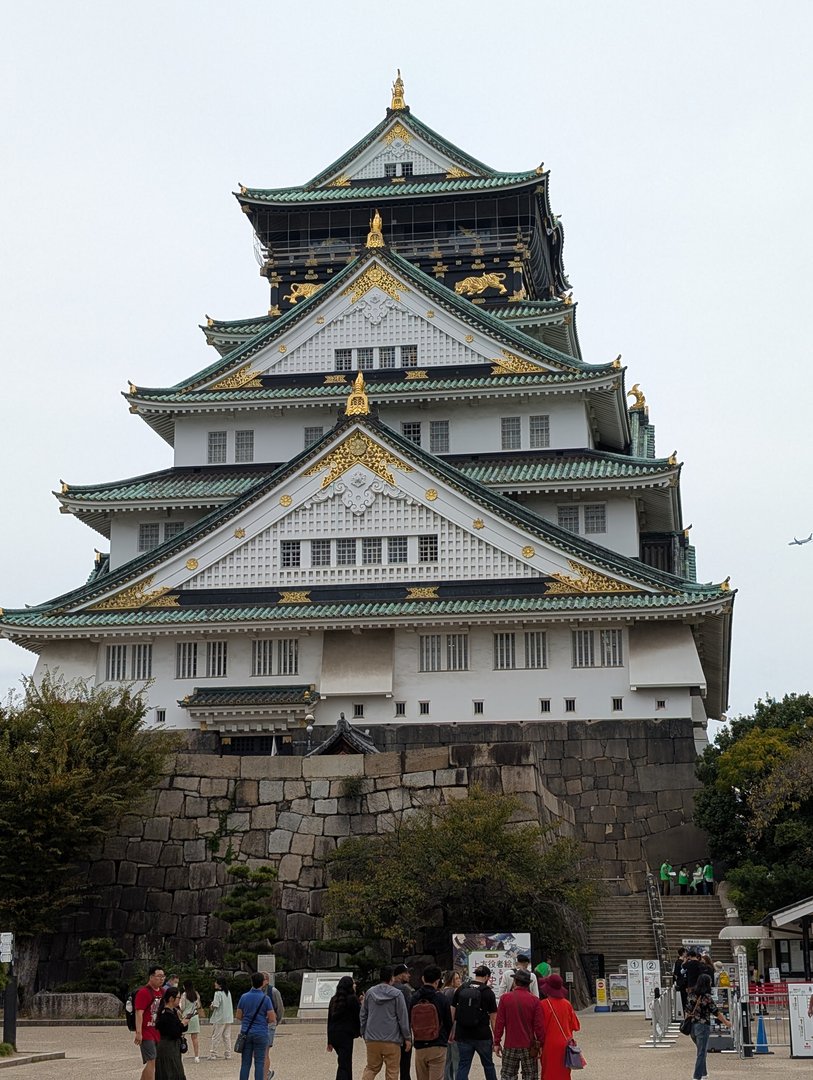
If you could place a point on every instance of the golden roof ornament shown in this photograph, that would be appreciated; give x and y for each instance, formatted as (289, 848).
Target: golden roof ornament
(357, 403)
(375, 237)
(638, 394)
(398, 93)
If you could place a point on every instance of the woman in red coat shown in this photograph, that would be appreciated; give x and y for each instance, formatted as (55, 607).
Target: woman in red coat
(560, 1022)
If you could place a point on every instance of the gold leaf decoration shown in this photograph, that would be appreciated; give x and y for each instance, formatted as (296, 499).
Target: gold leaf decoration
(478, 523)
(136, 596)
(358, 449)
(285, 500)
(416, 373)
(192, 564)
(586, 581)
(357, 402)
(427, 592)
(528, 552)
(340, 181)
(431, 495)
(335, 379)
(469, 338)
(239, 534)
(637, 393)
(510, 364)
(244, 376)
(374, 277)
(456, 173)
(303, 597)
(397, 131)
(283, 348)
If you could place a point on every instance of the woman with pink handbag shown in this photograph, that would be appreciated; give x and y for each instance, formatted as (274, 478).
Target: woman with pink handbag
(559, 1052)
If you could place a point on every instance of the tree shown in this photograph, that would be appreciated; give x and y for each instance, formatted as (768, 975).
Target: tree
(248, 908)
(756, 804)
(73, 759)
(461, 866)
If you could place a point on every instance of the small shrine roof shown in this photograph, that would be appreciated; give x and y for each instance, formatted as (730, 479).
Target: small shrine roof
(345, 739)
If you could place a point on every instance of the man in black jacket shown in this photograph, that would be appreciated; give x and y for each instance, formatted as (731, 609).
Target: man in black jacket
(679, 976)
(430, 1054)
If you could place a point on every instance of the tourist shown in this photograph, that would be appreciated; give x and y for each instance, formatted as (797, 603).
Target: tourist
(693, 969)
(451, 982)
(343, 1025)
(474, 1010)
(666, 878)
(173, 980)
(523, 964)
(171, 1026)
(279, 1016)
(683, 880)
(519, 1020)
(384, 1023)
(696, 885)
(708, 879)
(221, 1018)
(255, 1012)
(190, 1009)
(542, 970)
(145, 1006)
(430, 1033)
(560, 1022)
(679, 975)
(701, 1009)
(402, 982)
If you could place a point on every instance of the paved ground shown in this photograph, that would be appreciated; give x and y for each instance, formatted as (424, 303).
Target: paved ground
(609, 1041)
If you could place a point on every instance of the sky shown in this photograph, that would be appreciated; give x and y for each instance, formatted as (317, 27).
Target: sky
(678, 143)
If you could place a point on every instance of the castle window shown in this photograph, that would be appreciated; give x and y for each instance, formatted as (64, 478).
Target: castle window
(386, 356)
(478, 708)
(216, 653)
(389, 169)
(243, 446)
(186, 660)
(595, 518)
(660, 704)
(584, 652)
(346, 551)
(288, 656)
(149, 536)
(262, 652)
(116, 663)
(173, 528)
(289, 553)
(567, 517)
(544, 705)
(457, 652)
(371, 551)
(430, 652)
(570, 704)
(536, 649)
(160, 716)
(406, 168)
(505, 652)
(313, 435)
(511, 432)
(216, 448)
(358, 711)
(439, 436)
(320, 553)
(397, 549)
(364, 359)
(423, 708)
(400, 708)
(427, 549)
(409, 356)
(343, 359)
(142, 662)
(432, 656)
(618, 704)
(611, 648)
(411, 429)
(540, 432)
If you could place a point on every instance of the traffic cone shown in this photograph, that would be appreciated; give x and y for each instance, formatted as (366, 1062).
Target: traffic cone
(762, 1039)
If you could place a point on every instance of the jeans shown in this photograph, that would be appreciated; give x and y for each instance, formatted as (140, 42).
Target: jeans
(452, 1061)
(700, 1038)
(484, 1050)
(254, 1050)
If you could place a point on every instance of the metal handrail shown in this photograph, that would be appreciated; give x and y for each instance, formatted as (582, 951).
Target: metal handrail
(658, 925)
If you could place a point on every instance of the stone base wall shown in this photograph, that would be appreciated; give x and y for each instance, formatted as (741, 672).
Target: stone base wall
(625, 790)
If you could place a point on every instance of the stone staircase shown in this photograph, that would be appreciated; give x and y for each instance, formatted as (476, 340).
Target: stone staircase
(695, 917)
(621, 929)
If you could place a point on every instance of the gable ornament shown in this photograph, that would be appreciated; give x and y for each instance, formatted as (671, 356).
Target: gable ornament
(397, 103)
(585, 581)
(358, 449)
(375, 237)
(357, 402)
(138, 596)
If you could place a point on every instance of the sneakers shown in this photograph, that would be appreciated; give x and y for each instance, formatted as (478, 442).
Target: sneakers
(197, 1061)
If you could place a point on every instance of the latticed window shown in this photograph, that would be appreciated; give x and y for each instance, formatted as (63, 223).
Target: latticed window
(406, 168)
(371, 550)
(397, 549)
(400, 708)
(411, 430)
(216, 448)
(288, 656)
(595, 518)
(457, 652)
(540, 432)
(430, 652)
(149, 536)
(439, 436)
(262, 652)
(567, 517)
(358, 710)
(216, 653)
(173, 528)
(320, 553)
(186, 660)
(389, 169)
(536, 649)
(511, 432)
(612, 654)
(409, 356)
(116, 663)
(343, 359)
(313, 435)
(346, 551)
(427, 548)
(289, 552)
(142, 662)
(364, 358)
(584, 653)
(244, 446)
(505, 651)
(386, 356)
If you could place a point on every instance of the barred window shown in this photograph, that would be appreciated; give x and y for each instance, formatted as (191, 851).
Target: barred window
(116, 663)
(142, 662)
(409, 356)
(149, 536)
(400, 708)
(427, 549)
(343, 359)
(423, 708)
(216, 652)
(346, 552)
(216, 448)
(386, 356)
(536, 649)
(289, 552)
(544, 705)
(313, 435)
(389, 169)
(262, 652)
(540, 432)
(511, 432)
(612, 654)
(173, 528)
(371, 550)
(457, 652)
(160, 716)
(320, 553)
(618, 704)
(364, 359)
(567, 517)
(358, 710)
(439, 436)
(244, 446)
(186, 660)
(595, 518)
(478, 708)
(288, 656)
(584, 654)
(570, 704)
(412, 430)
(397, 549)
(406, 168)
(505, 652)
(430, 652)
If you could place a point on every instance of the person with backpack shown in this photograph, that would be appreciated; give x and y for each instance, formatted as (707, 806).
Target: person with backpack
(523, 964)
(430, 1017)
(474, 1010)
(519, 1021)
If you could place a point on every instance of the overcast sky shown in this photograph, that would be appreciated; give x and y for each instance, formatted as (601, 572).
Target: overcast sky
(678, 140)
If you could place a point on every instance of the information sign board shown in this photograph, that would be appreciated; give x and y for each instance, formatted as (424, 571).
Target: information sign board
(619, 992)
(800, 1015)
(635, 982)
(318, 987)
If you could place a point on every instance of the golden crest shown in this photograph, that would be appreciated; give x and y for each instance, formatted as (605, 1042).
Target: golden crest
(586, 581)
(456, 173)
(335, 379)
(374, 277)
(136, 596)
(239, 534)
(303, 597)
(416, 373)
(285, 500)
(397, 131)
(637, 393)
(478, 523)
(431, 495)
(192, 564)
(427, 592)
(528, 552)
(358, 449)
(243, 377)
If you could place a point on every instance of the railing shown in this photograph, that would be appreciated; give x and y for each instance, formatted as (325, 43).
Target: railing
(658, 927)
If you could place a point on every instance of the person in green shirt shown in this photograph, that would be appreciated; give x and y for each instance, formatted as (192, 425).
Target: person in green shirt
(708, 879)
(683, 880)
(666, 878)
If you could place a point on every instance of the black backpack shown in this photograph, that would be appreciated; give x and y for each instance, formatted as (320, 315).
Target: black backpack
(469, 1008)
(129, 1009)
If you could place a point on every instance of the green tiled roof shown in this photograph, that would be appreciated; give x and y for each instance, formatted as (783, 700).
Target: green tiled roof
(546, 469)
(169, 484)
(528, 308)
(248, 695)
(385, 189)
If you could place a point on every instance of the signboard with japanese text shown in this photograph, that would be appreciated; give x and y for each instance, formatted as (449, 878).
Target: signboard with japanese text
(619, 992)
(498, 951)
(635, 982)
(800, 1016)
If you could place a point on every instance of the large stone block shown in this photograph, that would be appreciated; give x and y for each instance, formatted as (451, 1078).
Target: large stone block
(157, 828)
(295, 789)
(294, 900)
(151, 877)
(399, 799)
(302, 927)
(207, 765)
(303, 844)
(377, 801)
(323, 847)
(128, 873)
(132, 898)
(271, 791)
(319, 789)
(264, 817)
(418, 761)
(418, 779)
(144, 851)
(194, 806)
(287, 820)
(488, 777)
(170, 803)
(246, 793)
(194, 850)
(516, 778)
(238, 822)
(451, 777)
(115, 847)
(330, 766)
(171, 855)
(454, 794)
(188, 784)
(159, 901)
(603, 814)
(213, 787)
(338, 825)
(182, 829)
(254, 843)
(302, 806)
(325, 806)
(202, 876)
(313, 825)
(388, 764)
(279, 842)
(290, 867)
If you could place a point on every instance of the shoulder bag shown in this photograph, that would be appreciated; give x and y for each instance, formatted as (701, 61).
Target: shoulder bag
(688, 1020)
(240, 1041)
(533, 1042)
(574, 1058)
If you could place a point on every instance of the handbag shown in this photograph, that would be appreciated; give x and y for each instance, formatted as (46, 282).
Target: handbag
(574, 1058)
(184, 1044)
(686, 1023)
(240, 1041)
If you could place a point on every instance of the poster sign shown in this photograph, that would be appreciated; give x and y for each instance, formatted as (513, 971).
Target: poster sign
(702, 944)
(619, 992)
(498, 952)
(635, 983)
(602, 1001)
(800, 1015)
(318, 987)
(773, 975)
(6, 948)
(652, 981)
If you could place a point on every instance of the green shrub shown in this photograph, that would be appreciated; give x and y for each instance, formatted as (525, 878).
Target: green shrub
(6, 1049)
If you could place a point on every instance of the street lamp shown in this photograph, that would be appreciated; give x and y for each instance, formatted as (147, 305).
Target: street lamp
(309, 729)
